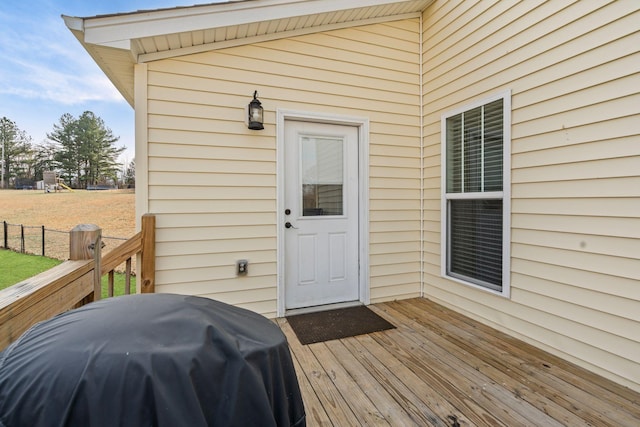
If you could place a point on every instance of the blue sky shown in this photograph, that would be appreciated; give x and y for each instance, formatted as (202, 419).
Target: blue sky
(45, 72)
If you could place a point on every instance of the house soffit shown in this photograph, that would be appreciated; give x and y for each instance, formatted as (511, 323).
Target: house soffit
(117, 42)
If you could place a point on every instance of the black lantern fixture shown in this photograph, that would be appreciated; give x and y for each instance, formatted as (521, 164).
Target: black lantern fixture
(256, 113)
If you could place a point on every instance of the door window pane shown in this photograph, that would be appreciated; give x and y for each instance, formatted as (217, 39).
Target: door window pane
(322, 164)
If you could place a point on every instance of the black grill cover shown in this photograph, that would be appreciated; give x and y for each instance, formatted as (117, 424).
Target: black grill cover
(151, 360)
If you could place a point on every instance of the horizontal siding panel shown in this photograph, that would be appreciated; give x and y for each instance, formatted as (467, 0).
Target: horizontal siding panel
(185, 106)
(325, 56)
(393, 226)
(175, 192)
(212, 165)
(383, 238)
(310, 96)
(536, 103)
(213, 233)
(395, 258)
(406, 30)
(605, 168)
(162, 139)
(379, 282)
(613, 266)
(212, 273)
(602, 188)
(384, 249)
(603, 285)
(405, 44)
(394, 183)
(265, 299)
(567, 120)
(406, 204)
(394, 141)
(251, 284)
(217, 219)
(393, 194)
(396, 268)
(602, 331)
(292, 53)
(602, 226)
(205, 206)
(583, 243)
(396, 151)
(211, 179)
(220, 153)
(220, 103)
(230, 244)
(399, 162)
(621, 127)
(394, 172)
(613, 308)
(238, 69)
(581, 35)
(592, 151)
(394, 215)
(216, 260)
(405, 60)
(613, 207)
(401, 291)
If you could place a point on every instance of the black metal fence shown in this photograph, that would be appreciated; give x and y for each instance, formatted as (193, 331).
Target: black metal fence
(38, 240)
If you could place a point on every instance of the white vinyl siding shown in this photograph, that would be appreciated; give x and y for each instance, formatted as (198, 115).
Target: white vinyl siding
(212, 183)
(574, 73)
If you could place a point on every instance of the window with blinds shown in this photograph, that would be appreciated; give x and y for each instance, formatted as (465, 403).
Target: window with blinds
(473, 200)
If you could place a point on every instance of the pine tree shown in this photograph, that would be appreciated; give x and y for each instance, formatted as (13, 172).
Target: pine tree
(87, 154)
(15, 147)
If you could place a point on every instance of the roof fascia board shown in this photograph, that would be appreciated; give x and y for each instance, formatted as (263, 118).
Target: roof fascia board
(268, 37)
(112, 30)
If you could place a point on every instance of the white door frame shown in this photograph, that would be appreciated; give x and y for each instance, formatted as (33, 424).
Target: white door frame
(362, 123)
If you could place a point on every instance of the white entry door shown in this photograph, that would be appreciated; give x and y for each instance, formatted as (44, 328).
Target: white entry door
(321, 214)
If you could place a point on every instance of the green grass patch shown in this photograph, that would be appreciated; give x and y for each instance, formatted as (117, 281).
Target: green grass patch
(118, 285)
(16, 267)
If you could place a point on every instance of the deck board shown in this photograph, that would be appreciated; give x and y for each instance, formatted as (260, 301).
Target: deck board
(440, 368)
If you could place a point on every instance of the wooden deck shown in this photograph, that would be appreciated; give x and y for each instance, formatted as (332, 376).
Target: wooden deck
(443, 369)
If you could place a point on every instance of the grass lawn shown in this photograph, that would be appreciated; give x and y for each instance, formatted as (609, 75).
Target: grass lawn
(16, 267)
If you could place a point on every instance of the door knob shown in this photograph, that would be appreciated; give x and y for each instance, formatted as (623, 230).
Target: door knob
(288, 225)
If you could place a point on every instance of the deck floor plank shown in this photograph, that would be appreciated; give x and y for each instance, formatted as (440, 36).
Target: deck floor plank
(441, 368)
(334, 404)
(570, 386)
(516, 385)
(451, 369)
(394, 413)
(422, 403)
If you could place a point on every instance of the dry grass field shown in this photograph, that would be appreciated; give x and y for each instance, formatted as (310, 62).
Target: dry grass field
(111, 210)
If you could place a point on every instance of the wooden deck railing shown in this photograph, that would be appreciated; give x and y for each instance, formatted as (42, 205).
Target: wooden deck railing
(78, 281)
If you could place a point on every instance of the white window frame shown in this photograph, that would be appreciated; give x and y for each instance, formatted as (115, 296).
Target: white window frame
(505, 194)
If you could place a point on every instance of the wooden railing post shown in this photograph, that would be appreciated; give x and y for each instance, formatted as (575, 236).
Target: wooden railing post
(148, 255)
(85, 242)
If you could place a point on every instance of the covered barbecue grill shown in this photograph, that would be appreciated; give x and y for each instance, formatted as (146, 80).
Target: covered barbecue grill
(151, 360)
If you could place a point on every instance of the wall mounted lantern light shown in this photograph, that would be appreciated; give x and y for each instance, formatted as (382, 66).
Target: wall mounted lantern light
(256, 113)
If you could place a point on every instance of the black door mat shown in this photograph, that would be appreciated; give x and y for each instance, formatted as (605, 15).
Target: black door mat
(335, 324)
